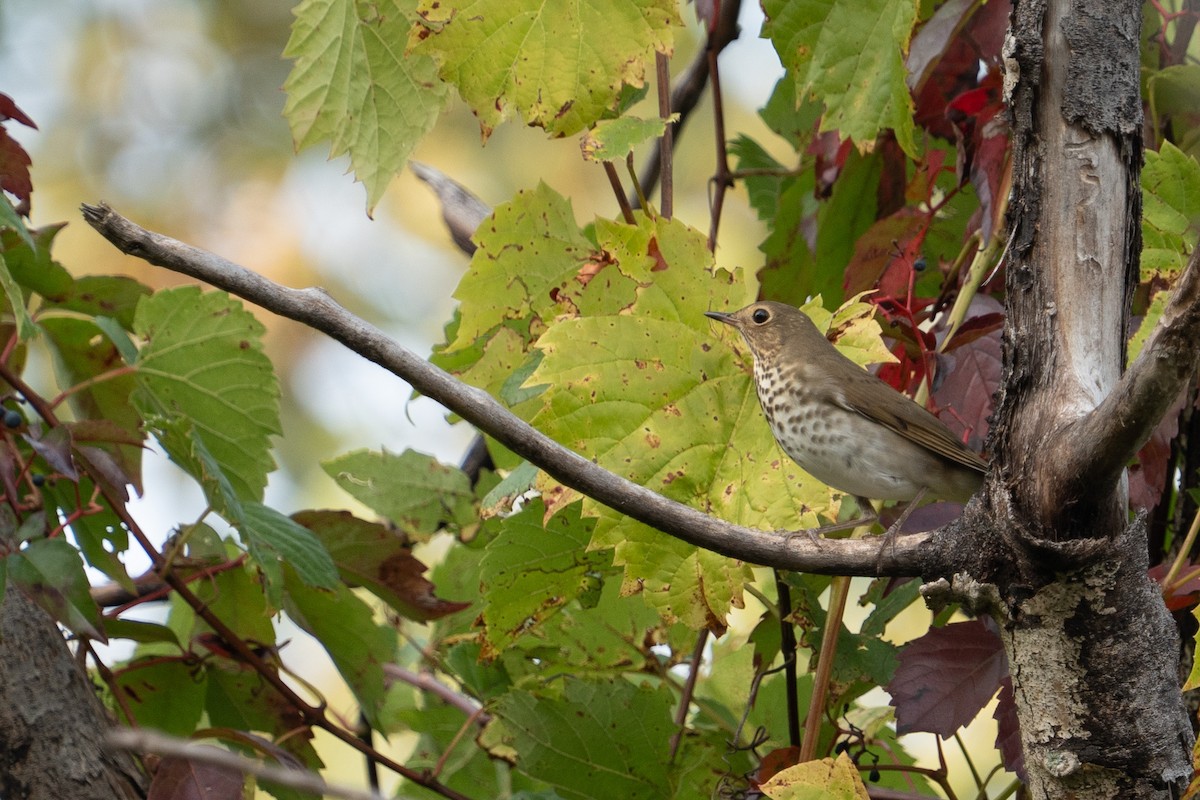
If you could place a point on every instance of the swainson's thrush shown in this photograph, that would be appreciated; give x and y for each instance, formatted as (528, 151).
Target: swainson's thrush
(844, 426)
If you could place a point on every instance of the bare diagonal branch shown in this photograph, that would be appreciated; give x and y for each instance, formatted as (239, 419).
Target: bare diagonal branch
(316, 309)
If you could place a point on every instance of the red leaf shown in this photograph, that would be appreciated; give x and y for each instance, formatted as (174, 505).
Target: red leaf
(884, 255)
(14, 169)
(1008, 731)
(1148, 477)
(9, 110)
(945, 677)
(183, 779)
(776, 761)
(1178, 596)
(945, 56)
(968, 380)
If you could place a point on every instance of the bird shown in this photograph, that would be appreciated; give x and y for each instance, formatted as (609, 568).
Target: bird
(844, 426)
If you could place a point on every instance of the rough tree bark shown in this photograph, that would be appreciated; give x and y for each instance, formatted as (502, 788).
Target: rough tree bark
(51, 722)
(1090, 644)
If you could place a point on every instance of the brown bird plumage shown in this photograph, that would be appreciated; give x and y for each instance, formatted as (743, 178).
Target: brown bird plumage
(843, 425)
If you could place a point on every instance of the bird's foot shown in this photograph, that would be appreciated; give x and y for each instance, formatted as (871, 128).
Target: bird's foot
(893, 532)
(815, 534)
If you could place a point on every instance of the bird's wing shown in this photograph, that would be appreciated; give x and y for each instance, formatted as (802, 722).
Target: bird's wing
(909, 420)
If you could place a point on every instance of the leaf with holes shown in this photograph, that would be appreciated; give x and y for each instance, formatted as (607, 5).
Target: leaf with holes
(562, 65)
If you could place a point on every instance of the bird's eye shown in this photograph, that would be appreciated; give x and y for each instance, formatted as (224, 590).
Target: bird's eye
(760, 316)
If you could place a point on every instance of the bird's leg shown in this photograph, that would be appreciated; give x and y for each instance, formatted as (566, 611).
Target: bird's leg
(889, 536)
(816, 533)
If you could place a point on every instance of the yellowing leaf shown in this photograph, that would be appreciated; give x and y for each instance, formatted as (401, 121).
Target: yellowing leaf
(827, 779)
(1171, 210)
(353, 85)
(613, 139)
(560, 64)
(858, 334)
(657, 394)
(528, 250)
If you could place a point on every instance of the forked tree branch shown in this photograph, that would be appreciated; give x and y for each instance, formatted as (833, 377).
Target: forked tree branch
(1108, 438)
(314, 308)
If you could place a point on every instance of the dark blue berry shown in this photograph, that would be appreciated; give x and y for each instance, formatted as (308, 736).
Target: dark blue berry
(13, 419)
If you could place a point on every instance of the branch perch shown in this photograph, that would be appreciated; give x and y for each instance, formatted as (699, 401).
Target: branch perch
(316, 309)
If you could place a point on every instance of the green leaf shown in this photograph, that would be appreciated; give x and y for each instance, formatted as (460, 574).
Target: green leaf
(1171, 210)
(138, 631)
(30, 262)
(114, 296)
(653, 394)
(345, 627)
(98, 531)
(1174, 90)
(353, 85)
(202, 362)
(16, 300)
(531, 571)
(850, 54)
(849, 214)
(501, 498)
(9, 218)
(1153, 313)
(784, 202)
(164, 694)
(414, 491)
(600, 739)
(236, 597)
(240, 699)
(265, 528)
(378, 559)
(613, 139)
(560, 64)
(83, 353)
(529, 246)
(50, 572)
(117, 335)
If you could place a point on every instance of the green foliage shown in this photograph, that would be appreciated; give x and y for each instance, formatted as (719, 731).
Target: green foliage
(1171, 210)
(202, 374)
(411, 490)
(851, 55)
(353, 85)
(591, 739)
(546, 62)
(545, 651)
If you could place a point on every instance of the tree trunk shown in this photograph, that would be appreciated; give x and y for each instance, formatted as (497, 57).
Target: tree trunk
(51, 723)
(1090, 644)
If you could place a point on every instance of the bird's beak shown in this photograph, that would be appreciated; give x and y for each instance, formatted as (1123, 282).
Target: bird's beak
(720, 316)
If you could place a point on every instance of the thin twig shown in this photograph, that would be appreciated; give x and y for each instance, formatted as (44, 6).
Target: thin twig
(689, 689)
(689, 88)
(721, 180)
(839, 588)
(147, 741)
(666, 143)
(787, 645)
(614, 179)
